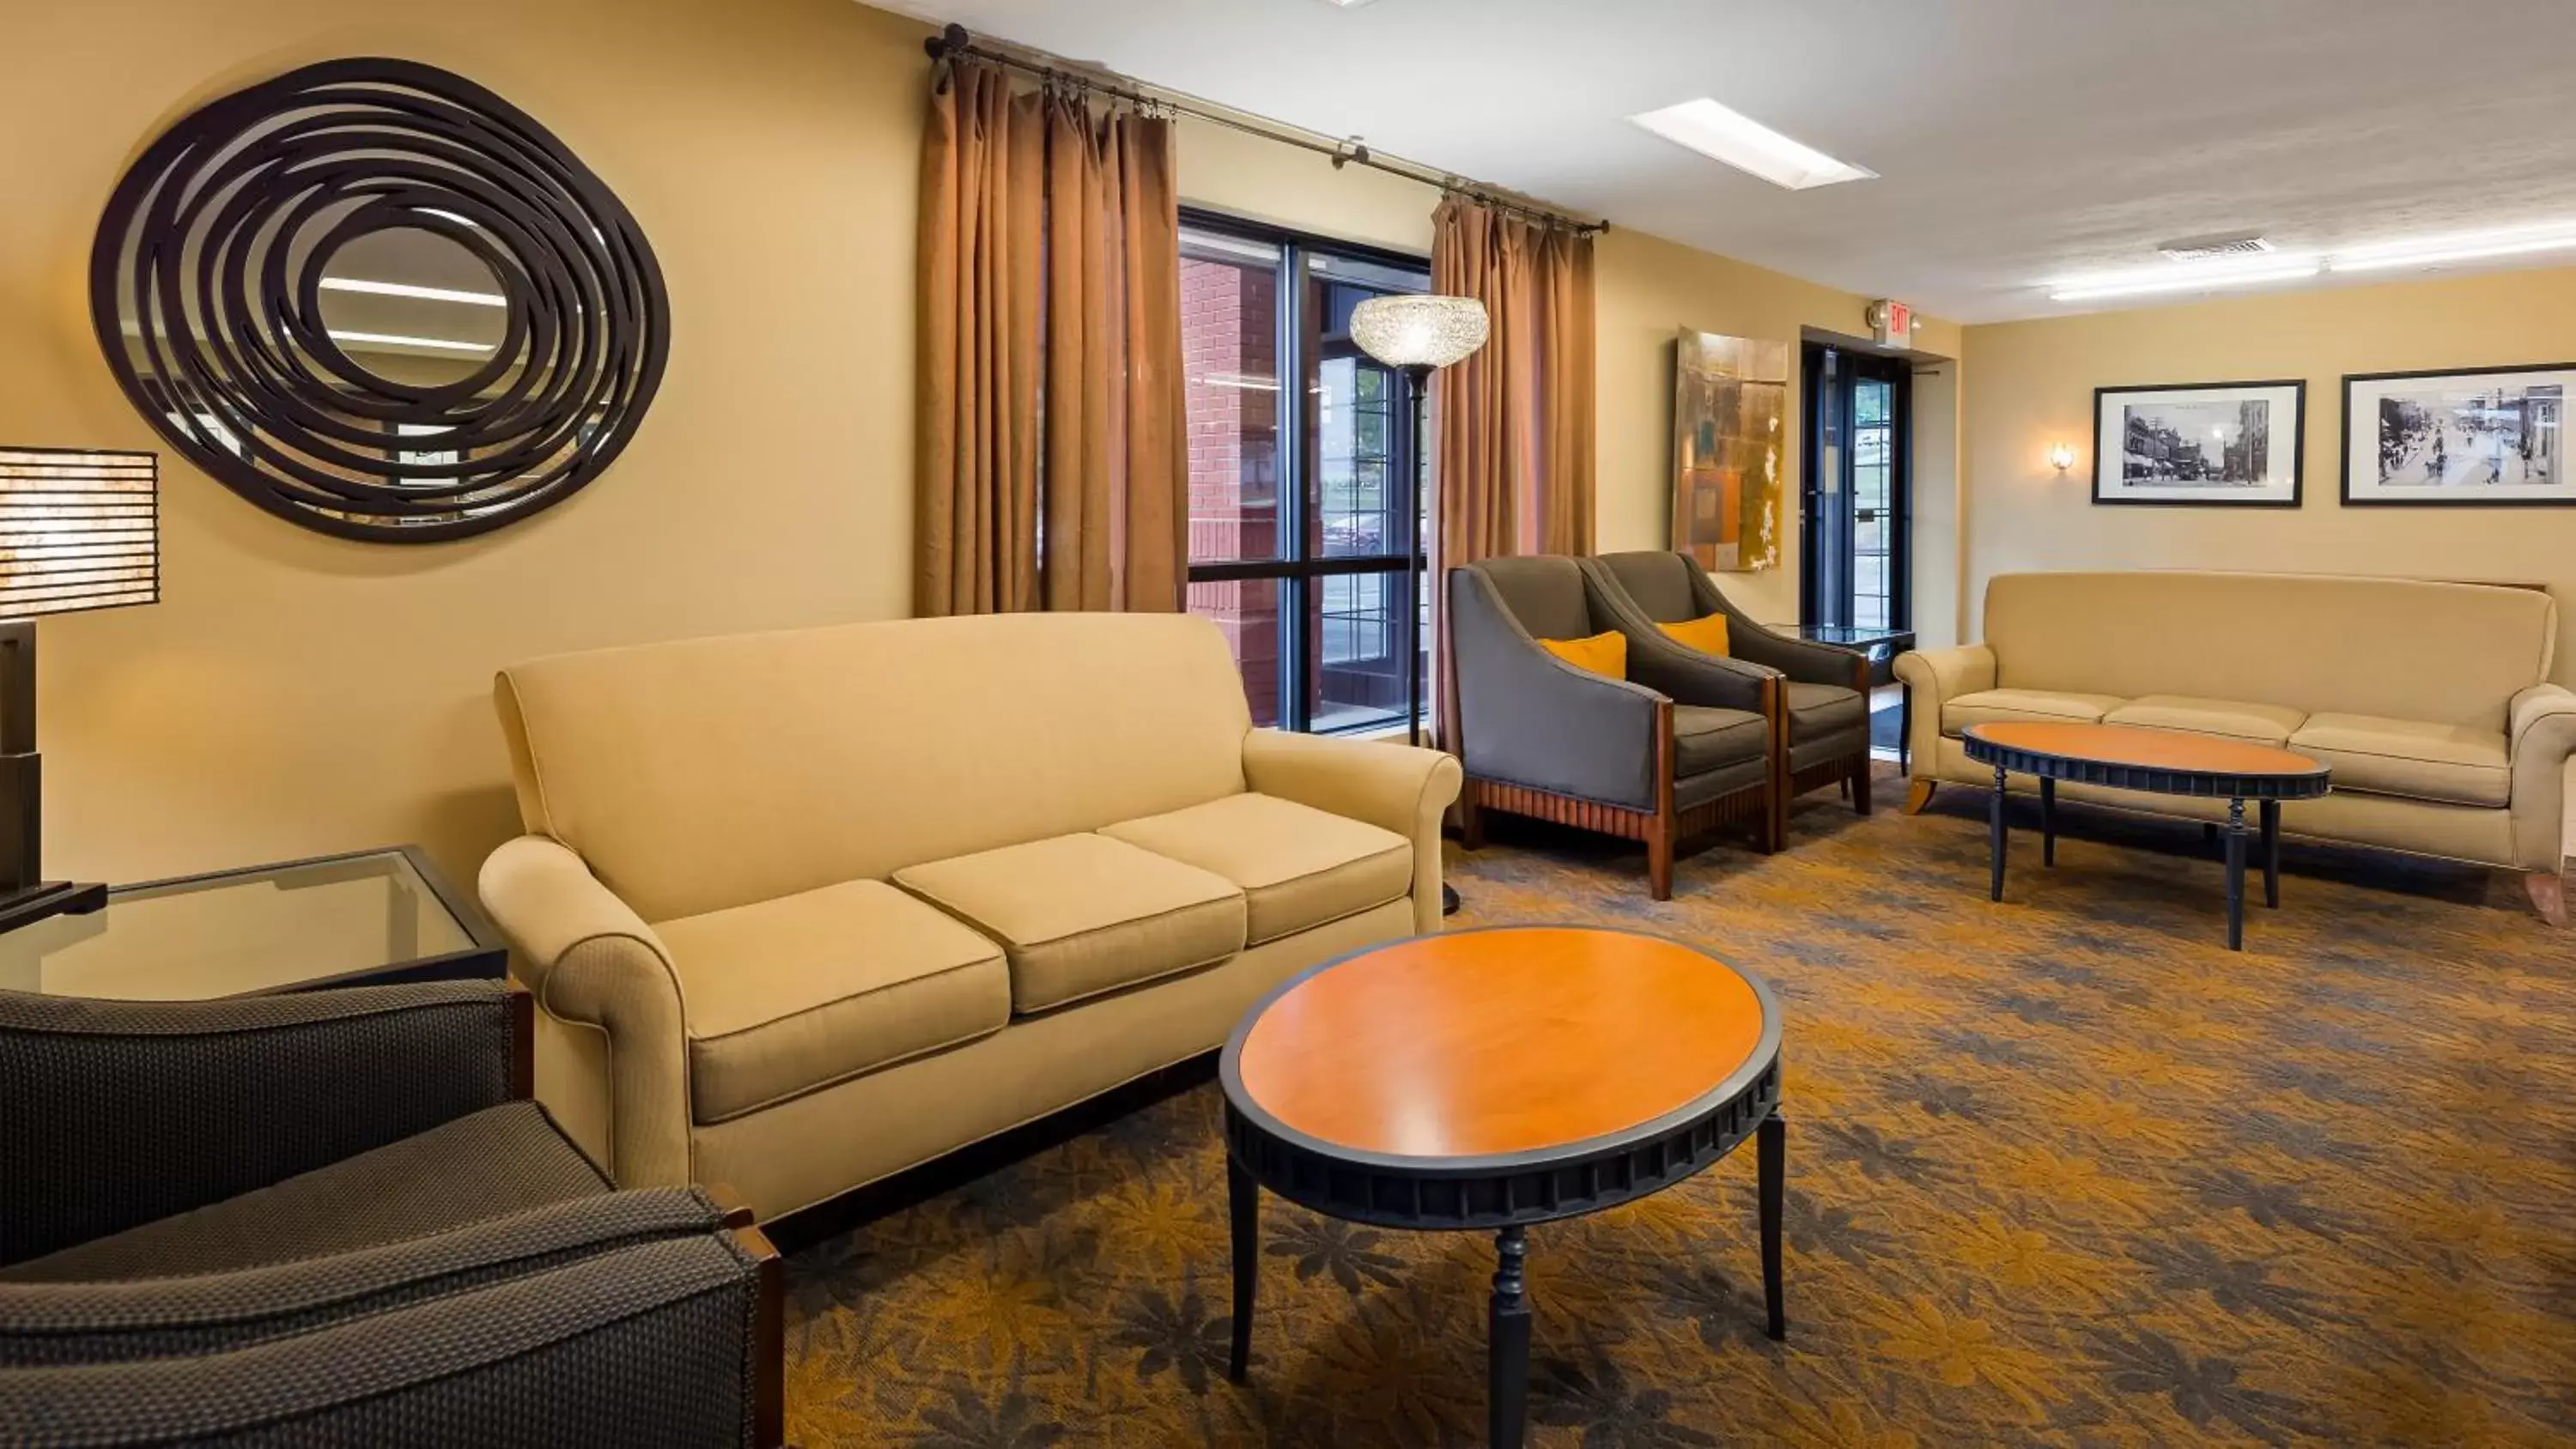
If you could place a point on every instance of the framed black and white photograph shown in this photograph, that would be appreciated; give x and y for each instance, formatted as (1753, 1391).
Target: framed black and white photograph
(2236, 444)
(2495, 437)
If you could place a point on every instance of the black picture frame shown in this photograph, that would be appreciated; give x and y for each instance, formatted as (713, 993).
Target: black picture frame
(2105, 494)
(2347, 422)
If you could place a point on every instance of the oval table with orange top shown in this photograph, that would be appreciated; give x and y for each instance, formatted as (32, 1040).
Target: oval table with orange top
(1492, 1079)
(2160, 762)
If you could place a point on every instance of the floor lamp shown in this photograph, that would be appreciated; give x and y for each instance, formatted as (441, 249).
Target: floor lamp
(78, 530)
(1417, 336)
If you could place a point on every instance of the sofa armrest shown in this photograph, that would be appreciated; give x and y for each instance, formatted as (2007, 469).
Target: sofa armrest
(2542, 738)
(666, 1341)
(1937, 676)
(109, 1320)
(116, 1113)
(1690, 677)
(1393, 787)
(593, 961)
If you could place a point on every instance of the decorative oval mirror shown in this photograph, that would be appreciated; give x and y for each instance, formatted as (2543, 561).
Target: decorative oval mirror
(378, 300)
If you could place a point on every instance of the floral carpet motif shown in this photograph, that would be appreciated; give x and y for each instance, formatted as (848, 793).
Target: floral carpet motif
(2061, 1171)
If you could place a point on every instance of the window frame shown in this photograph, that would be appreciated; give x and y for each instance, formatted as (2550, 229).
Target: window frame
(1299, 566)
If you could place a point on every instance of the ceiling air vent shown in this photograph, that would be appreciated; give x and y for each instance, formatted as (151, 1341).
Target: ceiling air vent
(2207, 248)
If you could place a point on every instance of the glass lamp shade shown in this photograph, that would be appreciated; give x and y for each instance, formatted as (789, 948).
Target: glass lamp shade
(1419, 331)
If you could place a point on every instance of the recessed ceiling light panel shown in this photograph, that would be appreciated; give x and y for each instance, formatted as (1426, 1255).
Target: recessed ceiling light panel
(2185, 277)
(2466, 247)
(1747, 145)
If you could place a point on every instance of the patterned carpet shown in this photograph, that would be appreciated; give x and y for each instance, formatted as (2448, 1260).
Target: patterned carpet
(2061, 1171)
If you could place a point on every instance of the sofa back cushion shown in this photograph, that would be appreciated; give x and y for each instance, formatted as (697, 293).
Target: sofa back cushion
(2396, 648)
(708, 773)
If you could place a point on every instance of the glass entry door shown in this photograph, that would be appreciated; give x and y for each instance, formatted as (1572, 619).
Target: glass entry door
(1855, 500)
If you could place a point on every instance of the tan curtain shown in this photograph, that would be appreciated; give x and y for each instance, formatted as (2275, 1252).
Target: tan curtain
(1516, 417)
(1053, 464)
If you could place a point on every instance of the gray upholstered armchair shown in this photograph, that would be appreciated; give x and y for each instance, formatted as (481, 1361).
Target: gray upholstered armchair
(337, 1218)
(1827, 688)
(1684, 743)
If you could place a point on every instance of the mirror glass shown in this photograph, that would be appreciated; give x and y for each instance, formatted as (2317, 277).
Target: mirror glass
(412, 306)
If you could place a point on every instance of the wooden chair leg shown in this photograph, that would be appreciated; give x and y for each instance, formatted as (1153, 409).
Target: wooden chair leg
(1471, 821)
(1860, 782)
(1660, 833)
(2548, 891)
(1775, 805)
(1918, 795)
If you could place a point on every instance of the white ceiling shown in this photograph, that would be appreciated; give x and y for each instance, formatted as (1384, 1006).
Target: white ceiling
(2015, 140)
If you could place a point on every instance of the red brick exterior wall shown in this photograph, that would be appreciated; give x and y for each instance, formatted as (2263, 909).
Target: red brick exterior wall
(1227, 335)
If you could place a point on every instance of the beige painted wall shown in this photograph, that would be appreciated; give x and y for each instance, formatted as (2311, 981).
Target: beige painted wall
(1227, 170)
(2031, 384)
(293, 693)
(1648, 290)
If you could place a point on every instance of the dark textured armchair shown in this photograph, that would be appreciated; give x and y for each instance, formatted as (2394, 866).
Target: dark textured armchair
(1827, 688)
(1683, 744)
(337, 1218)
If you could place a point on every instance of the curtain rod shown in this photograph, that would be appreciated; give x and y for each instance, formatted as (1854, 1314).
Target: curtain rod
(954, 42)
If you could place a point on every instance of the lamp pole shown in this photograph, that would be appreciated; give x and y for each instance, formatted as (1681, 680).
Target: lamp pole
(1417, 377)
(1418, 335)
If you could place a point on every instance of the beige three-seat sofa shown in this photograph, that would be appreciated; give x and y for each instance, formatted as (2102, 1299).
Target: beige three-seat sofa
(2429, 701)
(805, 909)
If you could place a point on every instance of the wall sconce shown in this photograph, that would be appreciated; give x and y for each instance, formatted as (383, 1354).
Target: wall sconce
(2061, 457)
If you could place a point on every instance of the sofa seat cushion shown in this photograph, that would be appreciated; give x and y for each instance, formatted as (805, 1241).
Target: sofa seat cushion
(1819, 710)
(2264, 724)
(2000, 706)
(2451, 763)
(787, 996)
(1712, 739)
(1082, 914)
(1298, 867)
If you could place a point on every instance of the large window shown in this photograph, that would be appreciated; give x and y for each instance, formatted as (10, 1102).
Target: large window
(1302, 475)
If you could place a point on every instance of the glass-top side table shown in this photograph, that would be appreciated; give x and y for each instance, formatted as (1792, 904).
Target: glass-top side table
(369, 918)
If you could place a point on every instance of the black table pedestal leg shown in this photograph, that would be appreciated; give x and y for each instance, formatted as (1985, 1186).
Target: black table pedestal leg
(2235, 875)
(1996, 825)
(1507, 1345)
(2047, 821)
(1771, 1147)
(2272, 854)
(1243, 1202)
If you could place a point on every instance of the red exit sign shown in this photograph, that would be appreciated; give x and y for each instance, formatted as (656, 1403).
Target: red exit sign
(1891, 323)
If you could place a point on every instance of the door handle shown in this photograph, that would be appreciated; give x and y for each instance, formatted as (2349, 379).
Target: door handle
(1865, 515)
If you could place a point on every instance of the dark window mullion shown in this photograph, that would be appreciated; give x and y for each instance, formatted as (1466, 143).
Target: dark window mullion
(1294, 602)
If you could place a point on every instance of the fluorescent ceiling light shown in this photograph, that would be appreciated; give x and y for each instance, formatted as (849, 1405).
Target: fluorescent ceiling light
(406, 289)
(388, 339)
(1347, 4)
(2471, 247)
(1747, 145)
(2183, 277)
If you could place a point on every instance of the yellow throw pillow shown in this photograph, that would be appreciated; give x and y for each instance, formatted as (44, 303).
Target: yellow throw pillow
(1708, 635)
(1602, 653)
